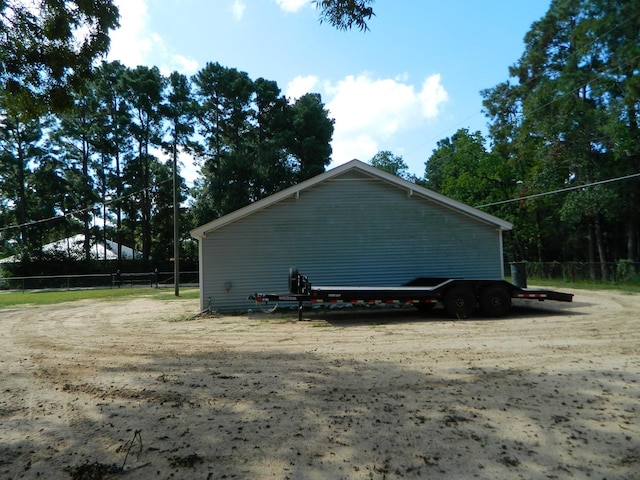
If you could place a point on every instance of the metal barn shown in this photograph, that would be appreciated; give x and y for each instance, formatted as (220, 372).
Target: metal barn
(352, 225)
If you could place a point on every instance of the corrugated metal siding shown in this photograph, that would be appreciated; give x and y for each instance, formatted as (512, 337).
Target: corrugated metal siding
(350, 230)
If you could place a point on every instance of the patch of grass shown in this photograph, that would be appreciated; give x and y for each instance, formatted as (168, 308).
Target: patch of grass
(185, 317)
(277, 319)
(320, 324)
(377, 324)
(50, 297)
(583, 285)
(169, 294)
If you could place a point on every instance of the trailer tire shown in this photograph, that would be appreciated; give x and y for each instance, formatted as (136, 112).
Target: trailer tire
(460, 302)
(293, 281)
(495, 301)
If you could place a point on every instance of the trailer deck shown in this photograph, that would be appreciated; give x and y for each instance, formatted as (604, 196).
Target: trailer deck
(460, 297)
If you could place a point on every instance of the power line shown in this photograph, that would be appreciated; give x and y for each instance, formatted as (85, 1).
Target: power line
(576, 187)
(79, 211)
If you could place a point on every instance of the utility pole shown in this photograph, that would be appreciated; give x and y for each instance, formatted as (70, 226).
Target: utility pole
(176, 230)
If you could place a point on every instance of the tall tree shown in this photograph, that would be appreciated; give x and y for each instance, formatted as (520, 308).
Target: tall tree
(113, 140)
(179, 111)
(76, 138)
(571, 111)
(312, 131)
(144, 89)
(253, 142)
(225, 114)
(273, 166)
(161, 217)
(51, 203)
(21, 151)
(616, 31)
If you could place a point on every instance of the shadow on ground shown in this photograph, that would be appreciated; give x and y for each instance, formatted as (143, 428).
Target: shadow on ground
(348, 315)
(253, 414)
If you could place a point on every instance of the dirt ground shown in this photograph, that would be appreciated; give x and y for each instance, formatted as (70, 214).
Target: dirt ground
(135, 389)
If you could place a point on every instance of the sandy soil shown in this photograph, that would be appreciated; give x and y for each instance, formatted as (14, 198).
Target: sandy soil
(133, 389)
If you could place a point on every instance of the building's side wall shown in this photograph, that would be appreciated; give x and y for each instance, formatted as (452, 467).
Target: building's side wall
(350, 230)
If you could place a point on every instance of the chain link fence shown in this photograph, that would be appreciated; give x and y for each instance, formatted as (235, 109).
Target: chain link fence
(620, 272)
(153, 279)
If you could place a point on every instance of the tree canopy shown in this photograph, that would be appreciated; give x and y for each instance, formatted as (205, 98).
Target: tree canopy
(49, 46)
(100, 157)
(567, 117)
(394, 164)
(346, 14)
(104, 166)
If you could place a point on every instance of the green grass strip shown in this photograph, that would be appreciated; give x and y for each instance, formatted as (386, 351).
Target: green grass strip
(49, 297)
(583, 285)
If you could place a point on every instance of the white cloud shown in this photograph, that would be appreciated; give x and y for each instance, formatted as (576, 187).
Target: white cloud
(348, 147)
(301, 85)
(237, 9)
(432, 96)
(134, 43)
(369, 112)
(291, 5)
(185, 65)
(130, 44)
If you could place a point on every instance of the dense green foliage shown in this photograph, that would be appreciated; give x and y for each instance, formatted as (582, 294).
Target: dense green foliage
(567, 117)
(253, 142)
(97, 156)
(346, 14)
(390, 163)
(104, 166)
(48, 46)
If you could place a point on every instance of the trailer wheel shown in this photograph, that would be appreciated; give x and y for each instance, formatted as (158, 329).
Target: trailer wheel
(460, 302)
(293, 280)
(495, 301)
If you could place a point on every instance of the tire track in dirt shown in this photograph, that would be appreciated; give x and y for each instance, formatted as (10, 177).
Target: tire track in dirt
(547, 392)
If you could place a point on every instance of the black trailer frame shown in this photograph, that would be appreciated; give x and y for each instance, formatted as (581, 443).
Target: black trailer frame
(460, 297)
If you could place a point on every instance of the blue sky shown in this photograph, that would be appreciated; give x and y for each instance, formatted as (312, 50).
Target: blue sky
(413, 79)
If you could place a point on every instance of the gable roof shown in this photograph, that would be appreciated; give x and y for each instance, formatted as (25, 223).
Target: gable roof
(411, 188)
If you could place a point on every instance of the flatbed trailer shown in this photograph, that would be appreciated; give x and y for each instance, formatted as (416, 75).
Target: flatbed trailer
(460, 297)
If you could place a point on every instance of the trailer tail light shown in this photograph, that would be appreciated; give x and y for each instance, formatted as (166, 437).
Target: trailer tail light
(531, 295)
